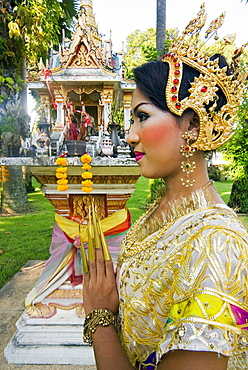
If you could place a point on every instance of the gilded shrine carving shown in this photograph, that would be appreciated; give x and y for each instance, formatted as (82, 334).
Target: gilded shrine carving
(41, 310)
(80, 205)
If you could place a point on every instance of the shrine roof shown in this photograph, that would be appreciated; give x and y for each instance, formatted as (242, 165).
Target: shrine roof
(79, 76)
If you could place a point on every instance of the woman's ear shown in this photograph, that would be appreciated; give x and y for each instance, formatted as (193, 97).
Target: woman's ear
(194, 124)
(190, 122)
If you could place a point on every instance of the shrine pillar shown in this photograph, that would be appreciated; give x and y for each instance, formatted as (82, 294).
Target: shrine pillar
(60, 119)
(45, 106)
(127, 102)
(107, 98)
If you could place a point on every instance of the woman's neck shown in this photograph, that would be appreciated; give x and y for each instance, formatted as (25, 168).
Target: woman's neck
(175, 191)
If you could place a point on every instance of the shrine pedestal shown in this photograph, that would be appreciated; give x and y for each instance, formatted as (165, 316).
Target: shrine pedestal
(50, 331)
(112, 187)
(57, 340)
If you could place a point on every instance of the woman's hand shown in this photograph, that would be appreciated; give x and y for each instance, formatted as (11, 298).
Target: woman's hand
(99, 285)
(100, 291)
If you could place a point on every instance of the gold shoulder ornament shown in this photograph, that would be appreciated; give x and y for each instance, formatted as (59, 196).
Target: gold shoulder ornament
(216, 127)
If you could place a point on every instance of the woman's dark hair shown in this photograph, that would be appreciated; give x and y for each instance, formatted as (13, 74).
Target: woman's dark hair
(151, 79)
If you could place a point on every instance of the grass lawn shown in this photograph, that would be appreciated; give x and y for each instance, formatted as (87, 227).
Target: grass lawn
(28, 237)
(224, 189)
(25, 237)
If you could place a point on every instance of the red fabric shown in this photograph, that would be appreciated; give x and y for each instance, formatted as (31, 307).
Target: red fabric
(47, 73)
(121, 227)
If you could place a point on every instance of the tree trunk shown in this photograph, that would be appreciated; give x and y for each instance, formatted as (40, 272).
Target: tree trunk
(161, 27)
(27, 177)
(24, 92)
(14, 195)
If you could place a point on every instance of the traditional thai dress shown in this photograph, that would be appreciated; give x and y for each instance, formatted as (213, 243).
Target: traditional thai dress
(184, 284)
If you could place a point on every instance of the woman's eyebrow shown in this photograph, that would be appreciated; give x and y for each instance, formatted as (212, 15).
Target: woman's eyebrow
(137, 106)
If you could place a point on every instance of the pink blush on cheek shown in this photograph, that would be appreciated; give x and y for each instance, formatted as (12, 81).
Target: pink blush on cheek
(155, 133)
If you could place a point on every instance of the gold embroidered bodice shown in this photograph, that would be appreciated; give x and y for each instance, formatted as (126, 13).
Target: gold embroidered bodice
(184, 283)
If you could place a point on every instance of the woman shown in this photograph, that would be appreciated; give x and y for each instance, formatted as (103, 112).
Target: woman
(181, 292)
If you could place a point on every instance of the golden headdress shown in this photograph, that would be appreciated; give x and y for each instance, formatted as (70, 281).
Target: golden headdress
(215, 126)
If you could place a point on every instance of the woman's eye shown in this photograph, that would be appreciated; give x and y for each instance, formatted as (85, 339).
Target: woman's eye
(142, 116)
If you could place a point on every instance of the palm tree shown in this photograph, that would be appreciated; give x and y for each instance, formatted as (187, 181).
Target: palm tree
(161, 26)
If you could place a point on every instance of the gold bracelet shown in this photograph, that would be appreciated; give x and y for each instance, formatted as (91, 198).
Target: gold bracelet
(95, 319)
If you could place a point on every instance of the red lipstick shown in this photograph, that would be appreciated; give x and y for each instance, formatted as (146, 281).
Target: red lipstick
(138, 155)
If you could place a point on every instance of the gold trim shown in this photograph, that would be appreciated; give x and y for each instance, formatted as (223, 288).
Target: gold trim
(45, 311)
(66, 293)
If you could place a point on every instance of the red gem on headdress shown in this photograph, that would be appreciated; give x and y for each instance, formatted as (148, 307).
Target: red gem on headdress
(236, 51)
(175, 60)
(176, 81)
(178, 105)
(174, 89)
(174, 98)
(177, 73)
(204, 89)
(187, 149)
(177, 65)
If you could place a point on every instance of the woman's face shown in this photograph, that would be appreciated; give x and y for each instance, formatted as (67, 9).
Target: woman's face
(157, 139)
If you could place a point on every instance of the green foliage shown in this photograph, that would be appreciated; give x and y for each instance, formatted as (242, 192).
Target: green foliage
(239, 199)
(236, 151)
(15, 123)
(150, 52)
(34, 25)
(137, 42)
(8, 87)
(218, 173)
(70, 10)
(117, 111)
(141, 48)
(156, 190)
(8, 58)
(7, 124)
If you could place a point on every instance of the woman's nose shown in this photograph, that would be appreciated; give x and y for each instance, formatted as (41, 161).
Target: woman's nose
(133, 137)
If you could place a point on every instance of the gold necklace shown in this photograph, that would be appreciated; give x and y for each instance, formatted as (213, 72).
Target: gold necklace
(130, 246)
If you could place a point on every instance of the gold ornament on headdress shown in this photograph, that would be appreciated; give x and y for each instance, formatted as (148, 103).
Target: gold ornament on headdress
(215, 126)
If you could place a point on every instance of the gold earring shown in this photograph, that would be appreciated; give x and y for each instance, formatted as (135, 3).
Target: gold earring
(187, 151)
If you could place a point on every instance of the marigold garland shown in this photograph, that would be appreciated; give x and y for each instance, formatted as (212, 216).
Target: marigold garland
(62, 187)
(86, 189)
(86, 159)
(61, 161)
(61, 169)
(87, 183)
(61, 174)
(4, 174)
(87, 175)
(62, 182)
(86, 167)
